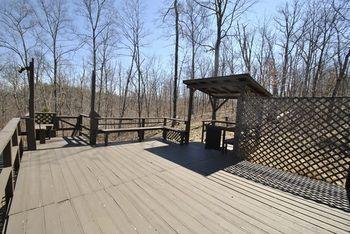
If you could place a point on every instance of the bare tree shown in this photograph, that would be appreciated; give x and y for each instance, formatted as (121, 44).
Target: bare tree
(99, 15)
(342, 41)
(326, 25)
(133, 35)
(17, 21)
(173, 13)
(194, 28)
(287, 24)
(226, 12)
(54, 21)
(245, 41)
(105, 55)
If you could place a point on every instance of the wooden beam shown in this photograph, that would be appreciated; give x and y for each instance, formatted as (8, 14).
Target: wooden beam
(189, 116)
(30, 124)
(93, 120)
(221, 104)
(240, 109)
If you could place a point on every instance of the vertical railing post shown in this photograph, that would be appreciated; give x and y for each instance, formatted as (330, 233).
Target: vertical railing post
(7, 154)
(30, 129)
(164, 121)
(202, 138)
(80, 122)
(55, 122)
(93, 129)
(9, 188)
(15, 138)
(239, 115)
(20, 142)
(189, 116)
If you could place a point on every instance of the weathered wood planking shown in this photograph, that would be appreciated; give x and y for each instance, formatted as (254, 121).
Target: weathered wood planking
(129, 188)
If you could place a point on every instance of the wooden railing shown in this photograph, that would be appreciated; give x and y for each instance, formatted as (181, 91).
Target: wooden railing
(65, 123)
(172, 129)
(83, 126)
(11, 150)
(116, 122)
(225, 123)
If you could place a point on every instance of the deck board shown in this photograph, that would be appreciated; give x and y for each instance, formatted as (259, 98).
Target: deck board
(152, 187)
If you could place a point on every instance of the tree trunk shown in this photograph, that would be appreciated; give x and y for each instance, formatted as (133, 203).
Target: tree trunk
(176, 59)
(341, 75)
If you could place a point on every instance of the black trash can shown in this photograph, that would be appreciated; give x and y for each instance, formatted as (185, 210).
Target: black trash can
(213, 138)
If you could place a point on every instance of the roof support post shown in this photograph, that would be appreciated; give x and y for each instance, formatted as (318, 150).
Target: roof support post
(221, 104)
(239, 125)
(214, 103)
(93, 115)
(189, 116)
(30, 122)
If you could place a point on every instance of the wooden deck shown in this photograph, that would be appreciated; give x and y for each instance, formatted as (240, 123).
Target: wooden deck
(153, 187)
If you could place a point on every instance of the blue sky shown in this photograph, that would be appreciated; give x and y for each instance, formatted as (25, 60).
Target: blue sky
(158, 44)
(162, 47)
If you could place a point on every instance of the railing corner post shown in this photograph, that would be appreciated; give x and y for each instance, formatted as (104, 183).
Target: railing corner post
(30, 129)
(7, 154)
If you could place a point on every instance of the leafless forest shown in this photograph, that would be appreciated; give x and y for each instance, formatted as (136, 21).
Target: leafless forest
(303, 51)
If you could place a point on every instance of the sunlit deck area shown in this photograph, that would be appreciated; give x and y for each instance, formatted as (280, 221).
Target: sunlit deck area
(67, 186)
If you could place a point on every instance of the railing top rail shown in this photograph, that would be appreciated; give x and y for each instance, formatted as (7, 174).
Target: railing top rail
(137, 118)
(218, 121)
(175, 119)
(67, 116)
(130, 118)
(42, 112)
(7, 132)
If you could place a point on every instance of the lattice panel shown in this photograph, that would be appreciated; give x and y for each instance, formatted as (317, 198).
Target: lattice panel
(307, 136)
(174, 136)
(44, 118)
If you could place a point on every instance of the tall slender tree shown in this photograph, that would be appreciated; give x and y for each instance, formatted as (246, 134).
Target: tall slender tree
(226, 12)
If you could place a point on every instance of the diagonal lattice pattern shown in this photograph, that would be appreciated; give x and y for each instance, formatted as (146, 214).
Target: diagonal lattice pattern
(44, 117)
(307, 136)
(173, 135)
(316, 190)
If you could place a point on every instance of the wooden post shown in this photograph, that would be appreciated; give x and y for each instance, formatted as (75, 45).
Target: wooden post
(202, 138)
(7, 154)
(93, 120)
(106, 138)
(189, 116)
(15, 137)
(30, 125)
(142, 132)
(214, 103)
(164, 121)
(9, 188)
(240, 109)
(80, 123)
(55, 125)
(93, 128)
(165, 131)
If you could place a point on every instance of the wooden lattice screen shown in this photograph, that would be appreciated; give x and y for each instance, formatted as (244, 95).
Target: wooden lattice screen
(44, 117)
(307, 136)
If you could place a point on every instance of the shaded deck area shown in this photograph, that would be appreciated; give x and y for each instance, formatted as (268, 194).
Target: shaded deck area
(67, 186)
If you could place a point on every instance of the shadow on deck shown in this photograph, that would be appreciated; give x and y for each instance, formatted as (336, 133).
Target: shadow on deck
(208, 162)
(152, 186)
